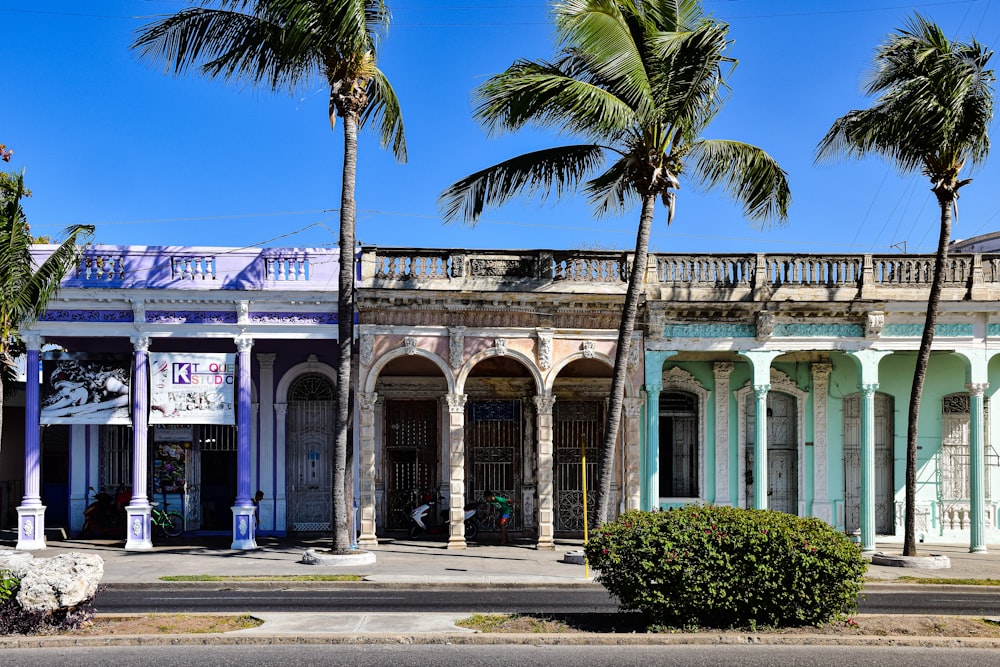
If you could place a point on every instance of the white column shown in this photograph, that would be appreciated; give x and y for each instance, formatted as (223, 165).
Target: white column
(280, 488)
(546, 485)
(138, 511)
(265, 441)
(456, 471)
(366, 468)
(977, 467)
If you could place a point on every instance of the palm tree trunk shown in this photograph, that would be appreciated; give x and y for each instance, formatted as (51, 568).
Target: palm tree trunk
(945, 198)
(619, 376)
(345, 333)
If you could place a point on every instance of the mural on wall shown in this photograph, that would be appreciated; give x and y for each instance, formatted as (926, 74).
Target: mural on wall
(190, 388)
(169, 462)
(80, 388)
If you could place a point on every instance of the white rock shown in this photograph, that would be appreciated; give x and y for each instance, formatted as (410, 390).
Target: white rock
(61, 582)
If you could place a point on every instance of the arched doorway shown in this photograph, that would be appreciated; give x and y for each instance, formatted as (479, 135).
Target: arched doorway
(678, 445)
(310, 430)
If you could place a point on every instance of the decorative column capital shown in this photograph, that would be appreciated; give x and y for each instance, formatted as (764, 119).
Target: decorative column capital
(243, 343)
(32, 341)
(266, 360)
(653, 387)
(367, 400)
(977, 389)
(456, 402)
(760, 390)
(544, 404)
(868, 389)
(722, 369)
(281, 409)
(821, 370)
(140, 343)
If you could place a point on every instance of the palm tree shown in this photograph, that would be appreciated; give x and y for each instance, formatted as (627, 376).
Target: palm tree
(933, 115)
(25, 288)
(638, 81)
(283, 45)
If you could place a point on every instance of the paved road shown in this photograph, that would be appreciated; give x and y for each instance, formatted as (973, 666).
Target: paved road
(929, 600)
(496, 656)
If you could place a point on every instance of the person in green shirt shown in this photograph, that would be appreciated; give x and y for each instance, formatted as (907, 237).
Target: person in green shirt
(504, 509)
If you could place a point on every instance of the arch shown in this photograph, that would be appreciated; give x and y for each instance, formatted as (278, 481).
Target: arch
(782, 383)
(379, 365)
(679, 380)
(311, 365)
(553, 373)
(525, 360)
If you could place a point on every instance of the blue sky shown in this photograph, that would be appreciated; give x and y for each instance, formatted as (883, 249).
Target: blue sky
(155, 160)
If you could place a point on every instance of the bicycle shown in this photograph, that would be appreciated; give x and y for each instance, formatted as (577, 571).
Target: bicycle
(170, 524)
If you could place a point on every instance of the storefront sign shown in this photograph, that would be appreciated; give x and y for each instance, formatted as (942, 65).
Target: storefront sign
(192, 388)
(80, 388)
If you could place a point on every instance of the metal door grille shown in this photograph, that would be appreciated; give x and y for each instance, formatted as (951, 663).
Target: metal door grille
(116, 457)
(310, 464)
(411, 457)
(494, 438)
(578, 426)
(884, 505)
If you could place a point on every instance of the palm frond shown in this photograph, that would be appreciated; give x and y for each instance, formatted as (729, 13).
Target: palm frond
(613, 191)
(540, 173)
(545, 94)
(384, 112)
(230, 45)
(934, 109)
(747, 173)
(605, 34)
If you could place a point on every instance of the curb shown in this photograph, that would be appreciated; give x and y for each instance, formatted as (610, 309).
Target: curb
(574, 639)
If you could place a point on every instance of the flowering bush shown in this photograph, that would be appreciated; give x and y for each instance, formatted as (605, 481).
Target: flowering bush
(728, 567)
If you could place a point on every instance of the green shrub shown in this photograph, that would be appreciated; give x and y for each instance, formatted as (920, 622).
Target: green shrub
(726, 567)
(8, 585)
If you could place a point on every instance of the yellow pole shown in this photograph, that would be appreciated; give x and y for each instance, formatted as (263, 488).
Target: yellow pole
(583, 466)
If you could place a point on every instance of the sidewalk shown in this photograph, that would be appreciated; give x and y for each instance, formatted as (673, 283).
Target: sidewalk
(403, 563)
(419, 562)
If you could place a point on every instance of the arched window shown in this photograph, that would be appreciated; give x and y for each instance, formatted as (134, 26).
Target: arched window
(311, 387)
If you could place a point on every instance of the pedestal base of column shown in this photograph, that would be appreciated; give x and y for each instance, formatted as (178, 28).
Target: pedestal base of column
(546, 544)
(139, 527)
(30, 528)
(457, 542)
(366, 541)
(978, 549)
(244, 528)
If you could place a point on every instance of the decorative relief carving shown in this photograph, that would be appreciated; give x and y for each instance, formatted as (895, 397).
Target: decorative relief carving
(765, 325)
(502, 268)
(456, 346)
(190, 317)
(138, 311)
(367, 348)
(634, 356)
(243, 312)
(874, 323)
(588, 348)
(678, 377)
(410, 343)
(292, 318)
(67, 315)
(633, 407)
(545, 349)
(655, 324)
(501, 346)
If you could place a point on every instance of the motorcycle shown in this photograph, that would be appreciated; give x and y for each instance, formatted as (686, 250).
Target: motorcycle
(105, 516)
(419, 524)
